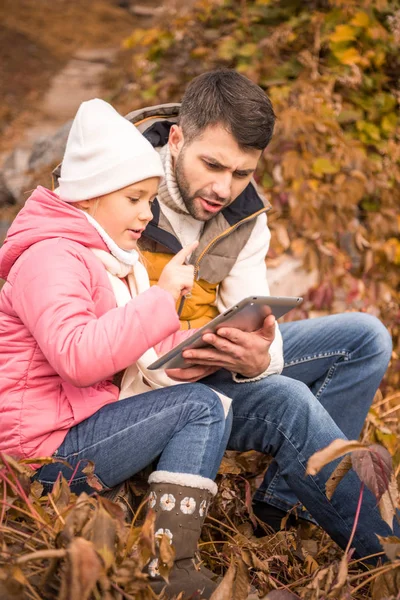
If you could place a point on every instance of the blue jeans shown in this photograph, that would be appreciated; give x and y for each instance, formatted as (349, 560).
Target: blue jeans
(182, 426)
(333, 367)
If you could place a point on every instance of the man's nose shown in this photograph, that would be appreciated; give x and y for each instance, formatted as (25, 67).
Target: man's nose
(222, 185)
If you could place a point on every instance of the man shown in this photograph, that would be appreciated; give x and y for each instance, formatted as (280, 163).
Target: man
(295, 387)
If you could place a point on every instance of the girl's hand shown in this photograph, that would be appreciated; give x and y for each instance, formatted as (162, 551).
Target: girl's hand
(177, 277)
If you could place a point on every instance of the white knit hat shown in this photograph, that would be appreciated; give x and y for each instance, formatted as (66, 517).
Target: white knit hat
(104, 153)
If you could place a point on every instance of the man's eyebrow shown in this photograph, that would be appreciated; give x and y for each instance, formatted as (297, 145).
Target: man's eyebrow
(216, 162)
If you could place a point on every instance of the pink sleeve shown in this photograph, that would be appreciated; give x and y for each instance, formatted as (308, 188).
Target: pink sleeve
(56, 304)
(173, 340)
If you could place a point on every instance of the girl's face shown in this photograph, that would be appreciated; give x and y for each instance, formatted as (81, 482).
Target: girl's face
(125, 213)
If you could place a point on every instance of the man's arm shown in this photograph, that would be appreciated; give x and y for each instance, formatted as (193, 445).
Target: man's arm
(251, 352)
(248, 277)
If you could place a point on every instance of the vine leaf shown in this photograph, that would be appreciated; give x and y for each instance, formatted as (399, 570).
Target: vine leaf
(373, 465)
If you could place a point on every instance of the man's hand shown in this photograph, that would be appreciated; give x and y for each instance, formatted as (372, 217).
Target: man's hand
(235, 350)
(191, 374)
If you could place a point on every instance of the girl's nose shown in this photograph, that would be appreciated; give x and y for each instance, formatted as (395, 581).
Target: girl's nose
(146, 214)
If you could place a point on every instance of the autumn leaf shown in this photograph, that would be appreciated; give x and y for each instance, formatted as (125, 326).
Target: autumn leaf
(343, 467)
(391, 546)
(388, 502)
(83, 571)
(350, 56)
(343, 33)
(360, 19)
(342, 575)
(61, 493)
(281, 595)
(335, 449)
(386, 585)
(167, 557)
(323, 166)
(373, 465)
(91, 478)
(225, 588)
(102, 532)
(241, 583)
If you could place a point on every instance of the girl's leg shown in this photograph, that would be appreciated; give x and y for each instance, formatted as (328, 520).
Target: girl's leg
(184, 425)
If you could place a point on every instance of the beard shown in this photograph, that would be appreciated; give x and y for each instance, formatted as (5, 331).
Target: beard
(194, 208)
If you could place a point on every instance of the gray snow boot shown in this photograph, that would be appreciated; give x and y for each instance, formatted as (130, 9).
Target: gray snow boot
(180, 513)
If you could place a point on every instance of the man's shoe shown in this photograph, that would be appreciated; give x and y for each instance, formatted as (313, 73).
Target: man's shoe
(272, 517)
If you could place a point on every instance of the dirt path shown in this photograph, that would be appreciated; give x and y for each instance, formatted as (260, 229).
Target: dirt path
(54, 55)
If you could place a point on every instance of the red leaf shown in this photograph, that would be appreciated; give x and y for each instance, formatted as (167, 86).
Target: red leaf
(374, 467)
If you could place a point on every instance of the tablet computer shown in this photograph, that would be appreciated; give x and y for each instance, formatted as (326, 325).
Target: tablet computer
(248, 315)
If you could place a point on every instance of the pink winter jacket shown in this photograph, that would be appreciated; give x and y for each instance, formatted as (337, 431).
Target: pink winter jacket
(62, 338)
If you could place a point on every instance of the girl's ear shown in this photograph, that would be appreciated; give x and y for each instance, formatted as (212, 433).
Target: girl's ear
(84, 204)
(89, 206)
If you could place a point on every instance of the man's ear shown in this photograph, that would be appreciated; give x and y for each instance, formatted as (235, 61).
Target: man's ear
(176, 140)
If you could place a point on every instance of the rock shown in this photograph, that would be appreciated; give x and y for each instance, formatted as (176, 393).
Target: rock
(290, 278)
(6, 197)
(14, 171)
(48, 151)
(145, 11)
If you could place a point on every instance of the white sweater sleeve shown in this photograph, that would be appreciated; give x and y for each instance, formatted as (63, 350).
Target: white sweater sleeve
(248, 277)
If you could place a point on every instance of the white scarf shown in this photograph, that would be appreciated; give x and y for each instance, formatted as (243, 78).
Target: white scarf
(168, 191)
(187, 229)
(137, 378)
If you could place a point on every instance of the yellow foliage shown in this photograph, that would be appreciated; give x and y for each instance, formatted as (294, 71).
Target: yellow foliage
(323, 166)
(343, 33)
(360, 19)
(350, 56)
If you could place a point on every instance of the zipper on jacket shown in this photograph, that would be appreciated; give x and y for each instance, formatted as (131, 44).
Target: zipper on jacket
(212, 244)
(221, 236)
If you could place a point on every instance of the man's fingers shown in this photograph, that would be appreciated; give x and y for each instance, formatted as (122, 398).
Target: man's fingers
(191, 373)
(268, 328)
(236, 336)
(208, 356)
(221, 343)
(181, 256)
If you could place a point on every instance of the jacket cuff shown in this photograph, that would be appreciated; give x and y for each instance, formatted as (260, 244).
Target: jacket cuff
(275, 367)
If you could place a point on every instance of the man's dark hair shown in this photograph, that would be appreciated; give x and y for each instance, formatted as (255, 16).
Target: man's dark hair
(225, 97)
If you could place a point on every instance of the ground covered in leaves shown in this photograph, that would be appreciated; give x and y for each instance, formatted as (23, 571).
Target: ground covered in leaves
(332, 174)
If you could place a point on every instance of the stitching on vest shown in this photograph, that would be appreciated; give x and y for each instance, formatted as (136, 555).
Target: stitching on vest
(222, 236)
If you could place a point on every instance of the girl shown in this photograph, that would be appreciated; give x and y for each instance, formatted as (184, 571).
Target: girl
(77, 315)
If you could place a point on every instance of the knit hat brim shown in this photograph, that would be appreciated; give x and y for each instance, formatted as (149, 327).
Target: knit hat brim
(143, 167)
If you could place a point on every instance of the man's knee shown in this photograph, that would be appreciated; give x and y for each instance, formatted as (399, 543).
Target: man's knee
(375, 335)
(280, 395)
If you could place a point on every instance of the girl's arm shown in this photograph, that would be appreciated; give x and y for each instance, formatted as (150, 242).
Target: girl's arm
(53, 297)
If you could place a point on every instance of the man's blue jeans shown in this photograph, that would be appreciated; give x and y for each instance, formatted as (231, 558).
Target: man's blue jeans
(333, 367)
(182, 426)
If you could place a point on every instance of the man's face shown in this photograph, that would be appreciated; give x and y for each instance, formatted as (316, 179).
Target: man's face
(211, 171)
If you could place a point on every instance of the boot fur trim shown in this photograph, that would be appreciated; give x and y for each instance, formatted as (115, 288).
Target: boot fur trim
(184, 479)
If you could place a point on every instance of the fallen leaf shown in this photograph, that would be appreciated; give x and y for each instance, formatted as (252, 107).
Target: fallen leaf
(225, 589)
(335, 449)
(83, 570)
(386, 585)
(343, 467)
(391, 546)
(102, 532)
(388, 502)
(280, 595)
